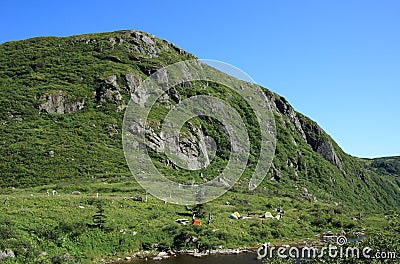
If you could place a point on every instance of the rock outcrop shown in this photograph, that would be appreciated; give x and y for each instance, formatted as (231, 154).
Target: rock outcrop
(194, 148)
(327, 151)
(109, 91)
(280, 105)
(132, 82)
(320, 142)
(8, 253)
(58, 103)
(133, 40)
(309, 130)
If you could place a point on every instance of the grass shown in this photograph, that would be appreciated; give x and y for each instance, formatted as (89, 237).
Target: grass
(82, 151)
(63, 224)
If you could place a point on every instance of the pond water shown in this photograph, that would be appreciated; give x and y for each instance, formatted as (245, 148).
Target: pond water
(356, 239)
(243, 258)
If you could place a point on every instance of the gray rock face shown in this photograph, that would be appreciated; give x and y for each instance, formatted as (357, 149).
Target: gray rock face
(58, 103)
(139, 96)
(310, 131)
(320, 142)
(147, 44)
(174, 95)
(109, 91)
(147, 40)
(134, 40)
(326, 150)
(8, 253)
(133, 81)
(194, 148)
(282, 106)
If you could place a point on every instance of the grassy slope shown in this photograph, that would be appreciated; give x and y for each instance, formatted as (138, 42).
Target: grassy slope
(88, 157)
(32, 222)
(81, 141)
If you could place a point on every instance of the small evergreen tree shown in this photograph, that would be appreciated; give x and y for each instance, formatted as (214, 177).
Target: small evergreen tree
(198, 210)
(99, 218)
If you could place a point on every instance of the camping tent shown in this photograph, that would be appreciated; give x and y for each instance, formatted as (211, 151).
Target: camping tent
(235, 215)
(268, 215)
(196, 222)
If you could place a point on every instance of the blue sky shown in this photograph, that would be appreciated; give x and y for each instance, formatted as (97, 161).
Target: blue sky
(336, 61)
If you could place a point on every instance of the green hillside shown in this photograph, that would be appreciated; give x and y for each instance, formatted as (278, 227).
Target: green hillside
(385, 166)
(62, 103)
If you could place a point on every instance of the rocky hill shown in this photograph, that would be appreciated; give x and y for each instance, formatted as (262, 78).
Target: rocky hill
(62, 105)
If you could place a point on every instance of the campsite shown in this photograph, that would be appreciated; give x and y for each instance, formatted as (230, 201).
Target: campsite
(145, 227)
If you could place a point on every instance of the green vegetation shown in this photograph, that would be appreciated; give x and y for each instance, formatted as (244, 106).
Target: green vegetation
(387, 165)
(65, 228)
(50, 143)
(383, 247)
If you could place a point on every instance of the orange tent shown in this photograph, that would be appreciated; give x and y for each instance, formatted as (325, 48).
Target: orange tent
(196, 222)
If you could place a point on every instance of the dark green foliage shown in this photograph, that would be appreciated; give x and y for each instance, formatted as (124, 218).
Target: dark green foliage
(99, 218)
(146, 245)
(389, 165)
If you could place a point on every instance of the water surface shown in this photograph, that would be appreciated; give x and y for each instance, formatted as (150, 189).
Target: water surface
(243, 258)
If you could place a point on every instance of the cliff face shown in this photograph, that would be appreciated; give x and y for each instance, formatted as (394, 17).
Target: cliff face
(310, 131)
(66, 96)
(57, 103)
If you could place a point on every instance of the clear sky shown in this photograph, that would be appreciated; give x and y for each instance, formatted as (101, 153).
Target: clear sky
(336, 61)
